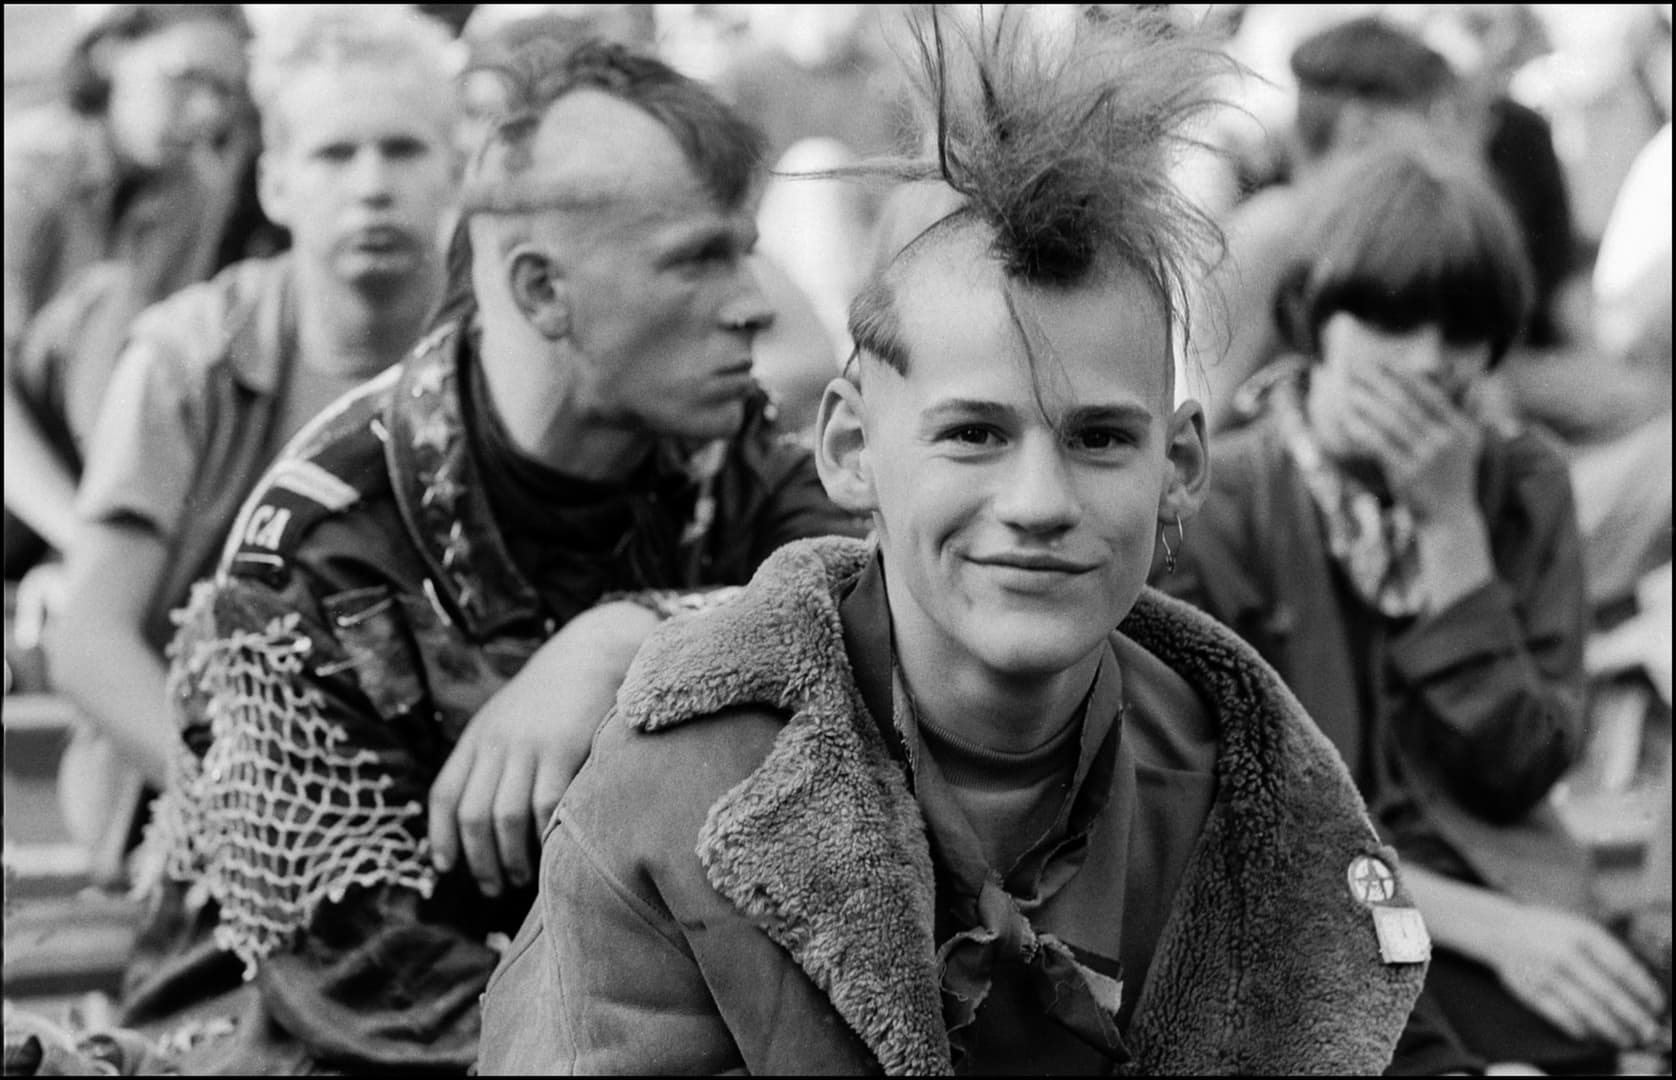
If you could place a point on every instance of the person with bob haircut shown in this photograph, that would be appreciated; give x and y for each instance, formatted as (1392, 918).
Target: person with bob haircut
(921, 804)
(1409, 562)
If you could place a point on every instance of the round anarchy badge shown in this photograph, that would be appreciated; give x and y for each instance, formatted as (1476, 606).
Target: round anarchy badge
(1371, 881)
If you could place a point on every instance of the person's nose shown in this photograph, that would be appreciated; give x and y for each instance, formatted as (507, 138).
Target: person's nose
(205, 110)
(1425, 353)
(749, 310)
(372, 176)
(1039, 496)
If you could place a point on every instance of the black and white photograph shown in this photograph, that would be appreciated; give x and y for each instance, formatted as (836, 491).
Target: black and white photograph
(923, 539)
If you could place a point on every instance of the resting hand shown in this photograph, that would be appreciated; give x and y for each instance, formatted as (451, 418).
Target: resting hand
(520, 751)
(1572, 972)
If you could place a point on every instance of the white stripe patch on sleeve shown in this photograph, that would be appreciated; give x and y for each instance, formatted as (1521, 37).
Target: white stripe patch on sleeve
(309, 480)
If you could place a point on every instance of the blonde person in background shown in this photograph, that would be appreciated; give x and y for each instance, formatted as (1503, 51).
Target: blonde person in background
(356, 108)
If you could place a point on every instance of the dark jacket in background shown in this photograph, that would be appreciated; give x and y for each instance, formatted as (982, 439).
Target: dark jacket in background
(1455, 724)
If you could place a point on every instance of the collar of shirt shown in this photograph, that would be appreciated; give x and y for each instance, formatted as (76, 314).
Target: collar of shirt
(262, 341)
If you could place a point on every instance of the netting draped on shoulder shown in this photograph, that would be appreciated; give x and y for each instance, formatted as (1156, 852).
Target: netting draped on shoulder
(282, 812)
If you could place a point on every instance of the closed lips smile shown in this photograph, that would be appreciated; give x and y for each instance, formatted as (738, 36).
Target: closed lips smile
(735, 374)
(1052, 564)
(380, 238)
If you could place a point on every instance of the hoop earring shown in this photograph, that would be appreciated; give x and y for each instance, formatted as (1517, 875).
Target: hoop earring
(1169, 552)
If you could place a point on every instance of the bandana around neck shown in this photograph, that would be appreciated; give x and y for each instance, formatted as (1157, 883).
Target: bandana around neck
(991, 908)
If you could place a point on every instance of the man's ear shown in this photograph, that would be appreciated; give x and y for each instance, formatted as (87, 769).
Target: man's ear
(272, 192)
(841, 448)
(540, 291)
(1189, 454)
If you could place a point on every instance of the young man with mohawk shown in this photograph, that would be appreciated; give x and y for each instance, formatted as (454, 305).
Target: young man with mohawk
(915, 804)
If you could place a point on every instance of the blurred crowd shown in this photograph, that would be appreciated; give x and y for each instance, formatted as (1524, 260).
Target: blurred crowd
(224, 222)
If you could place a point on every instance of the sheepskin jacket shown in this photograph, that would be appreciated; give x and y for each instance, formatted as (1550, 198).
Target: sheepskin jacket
(740, 878)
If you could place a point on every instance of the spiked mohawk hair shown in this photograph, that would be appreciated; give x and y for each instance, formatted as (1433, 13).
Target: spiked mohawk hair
(724, 150)
(1061, 147)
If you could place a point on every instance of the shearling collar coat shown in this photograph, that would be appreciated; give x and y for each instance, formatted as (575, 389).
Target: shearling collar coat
(740, 877)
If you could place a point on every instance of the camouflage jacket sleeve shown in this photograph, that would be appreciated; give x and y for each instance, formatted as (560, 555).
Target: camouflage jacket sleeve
(299, 810)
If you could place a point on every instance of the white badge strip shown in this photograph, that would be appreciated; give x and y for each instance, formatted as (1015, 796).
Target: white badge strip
(1402, 935)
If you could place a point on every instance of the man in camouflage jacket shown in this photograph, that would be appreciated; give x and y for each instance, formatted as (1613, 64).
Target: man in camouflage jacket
(548, 474)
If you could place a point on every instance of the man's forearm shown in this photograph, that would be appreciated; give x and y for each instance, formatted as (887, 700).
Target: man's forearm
(513, 762)
(1459, 916)
(39, 487)
(1454, 559)
(117, 680)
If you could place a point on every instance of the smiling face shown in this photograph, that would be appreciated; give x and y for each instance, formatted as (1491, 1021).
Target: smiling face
(1017, 502)
(362, 170)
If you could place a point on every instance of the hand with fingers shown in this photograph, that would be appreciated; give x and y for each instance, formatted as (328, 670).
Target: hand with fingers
(506, 775)
(1428, 446)
(1571, 971)
(1428, 449)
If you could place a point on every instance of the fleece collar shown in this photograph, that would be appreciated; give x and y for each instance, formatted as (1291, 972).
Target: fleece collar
(859, 920)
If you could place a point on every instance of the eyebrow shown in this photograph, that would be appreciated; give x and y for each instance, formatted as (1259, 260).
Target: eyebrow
(1082, 416)
(684, 239)
(1121, 413)
(966, 409)
(699, 235)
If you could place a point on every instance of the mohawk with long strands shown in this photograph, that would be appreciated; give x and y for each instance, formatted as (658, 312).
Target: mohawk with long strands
(1059, 144)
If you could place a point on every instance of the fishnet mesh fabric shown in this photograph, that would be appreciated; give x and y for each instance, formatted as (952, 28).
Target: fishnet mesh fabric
(279, 815)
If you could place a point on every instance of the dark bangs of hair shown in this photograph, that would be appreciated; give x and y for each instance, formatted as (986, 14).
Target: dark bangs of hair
(1404, 240)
